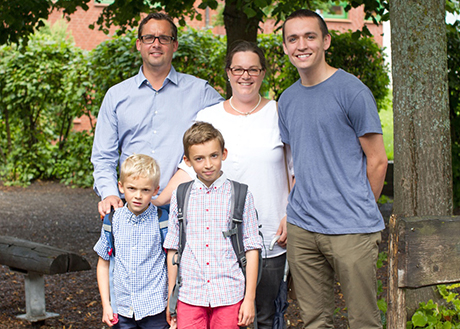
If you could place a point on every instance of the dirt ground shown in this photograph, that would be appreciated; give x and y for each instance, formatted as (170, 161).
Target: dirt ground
(67, 218)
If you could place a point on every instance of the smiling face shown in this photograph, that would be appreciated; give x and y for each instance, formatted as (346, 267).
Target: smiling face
(138, 192)
(245, 85)
(206, 159)
(304, 43)
(156, 55)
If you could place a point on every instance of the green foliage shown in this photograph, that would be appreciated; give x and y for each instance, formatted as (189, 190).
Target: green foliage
(111, 62)
(362, 58)
(43, 87)
(453, 63)
(202, 54)
(434, 316)
(48, 83)
(281, 73)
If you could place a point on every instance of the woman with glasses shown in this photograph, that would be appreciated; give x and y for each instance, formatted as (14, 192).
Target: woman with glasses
(256, 157)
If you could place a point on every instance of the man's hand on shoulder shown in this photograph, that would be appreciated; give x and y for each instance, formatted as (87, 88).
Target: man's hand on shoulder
(105, 205)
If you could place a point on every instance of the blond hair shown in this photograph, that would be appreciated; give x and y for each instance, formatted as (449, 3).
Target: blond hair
(200, 133)
(140, 165)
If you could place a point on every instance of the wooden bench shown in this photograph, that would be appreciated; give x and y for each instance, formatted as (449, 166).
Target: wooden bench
(35, 260)
(423, 252)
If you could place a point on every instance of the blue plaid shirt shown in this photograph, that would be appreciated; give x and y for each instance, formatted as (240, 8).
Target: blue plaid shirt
(140, 275)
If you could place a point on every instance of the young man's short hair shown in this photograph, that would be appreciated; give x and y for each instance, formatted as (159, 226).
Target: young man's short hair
(302, 13)
(158, 17)
(199, 133)
(140, 165)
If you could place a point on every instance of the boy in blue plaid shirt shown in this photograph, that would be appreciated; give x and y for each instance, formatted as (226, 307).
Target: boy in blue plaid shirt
(140, 276)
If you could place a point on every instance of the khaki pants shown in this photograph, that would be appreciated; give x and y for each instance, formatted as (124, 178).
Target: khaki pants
(313, 260)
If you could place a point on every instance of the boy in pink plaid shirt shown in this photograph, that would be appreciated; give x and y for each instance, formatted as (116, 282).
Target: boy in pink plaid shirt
(214, 292)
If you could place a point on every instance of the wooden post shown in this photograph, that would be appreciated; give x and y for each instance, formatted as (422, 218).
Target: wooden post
(35, 299)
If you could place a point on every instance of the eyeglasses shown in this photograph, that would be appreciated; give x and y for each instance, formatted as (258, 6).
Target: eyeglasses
(149, 39)
(239, 71)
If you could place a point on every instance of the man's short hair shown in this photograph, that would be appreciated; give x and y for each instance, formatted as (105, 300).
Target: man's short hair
(199, 133)
(140, 165)
(302, 13)
(158, 17)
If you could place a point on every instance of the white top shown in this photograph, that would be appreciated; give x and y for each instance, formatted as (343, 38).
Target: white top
(256, 158)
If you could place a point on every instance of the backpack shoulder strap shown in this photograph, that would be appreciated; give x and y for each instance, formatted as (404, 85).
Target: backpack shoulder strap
(239, 192)
(182, 196)
(107, 226)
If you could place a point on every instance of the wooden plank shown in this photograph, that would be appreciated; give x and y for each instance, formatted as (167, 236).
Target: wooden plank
(40, 258)
(430, 250)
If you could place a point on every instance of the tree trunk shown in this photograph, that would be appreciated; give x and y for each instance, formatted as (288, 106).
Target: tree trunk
(238, 27)
(422, 144)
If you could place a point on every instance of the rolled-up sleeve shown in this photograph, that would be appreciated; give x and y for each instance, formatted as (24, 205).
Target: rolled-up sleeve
(251, 238)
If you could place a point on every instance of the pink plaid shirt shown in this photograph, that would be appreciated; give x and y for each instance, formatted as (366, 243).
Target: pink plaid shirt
(210, 272)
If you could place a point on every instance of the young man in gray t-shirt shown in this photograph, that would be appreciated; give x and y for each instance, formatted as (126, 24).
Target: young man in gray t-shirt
(329, 118)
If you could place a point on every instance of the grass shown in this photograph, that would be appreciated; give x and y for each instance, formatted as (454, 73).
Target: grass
(386, 117)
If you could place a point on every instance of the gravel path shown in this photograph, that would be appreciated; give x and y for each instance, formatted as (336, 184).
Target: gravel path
(67, 218)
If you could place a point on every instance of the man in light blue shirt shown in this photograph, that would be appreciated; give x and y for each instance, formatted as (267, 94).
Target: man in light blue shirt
(148, 113)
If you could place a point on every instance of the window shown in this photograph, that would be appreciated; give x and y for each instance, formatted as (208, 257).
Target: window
(336, 10)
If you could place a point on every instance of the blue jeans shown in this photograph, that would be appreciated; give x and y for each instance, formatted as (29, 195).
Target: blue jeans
(267, 290)
(157, 321)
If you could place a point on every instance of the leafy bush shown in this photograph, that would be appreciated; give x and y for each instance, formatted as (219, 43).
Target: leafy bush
(432, 315)
(362, 58)
(453, 63)
(43, 88)
(49, 82)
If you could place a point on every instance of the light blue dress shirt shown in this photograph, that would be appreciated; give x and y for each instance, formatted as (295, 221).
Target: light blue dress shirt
(135, 118)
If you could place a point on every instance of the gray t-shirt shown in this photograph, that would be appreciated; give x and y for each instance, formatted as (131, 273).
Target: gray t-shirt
(322, 124)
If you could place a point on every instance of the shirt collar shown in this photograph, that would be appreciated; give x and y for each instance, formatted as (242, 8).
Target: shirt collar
(173, 77)
(148, 213)
(215, 185)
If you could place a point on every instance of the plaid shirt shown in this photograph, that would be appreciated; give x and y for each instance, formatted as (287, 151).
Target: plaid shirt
(140, 276)
(209, 268)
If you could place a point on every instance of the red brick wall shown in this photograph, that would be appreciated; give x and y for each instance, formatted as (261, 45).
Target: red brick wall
(85, 38)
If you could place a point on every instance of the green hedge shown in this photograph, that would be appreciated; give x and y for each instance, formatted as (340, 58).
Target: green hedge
(49, 82)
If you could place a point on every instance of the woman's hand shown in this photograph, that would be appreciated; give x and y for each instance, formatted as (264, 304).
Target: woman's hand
(282, 232)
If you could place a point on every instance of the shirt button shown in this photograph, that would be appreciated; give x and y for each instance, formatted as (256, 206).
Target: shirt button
(208, 281)
(207, 263)
(154, 131)
(207, 228)
(207, 209)
(153, 151)
(207, 245)
(156, 112)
